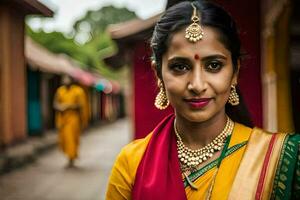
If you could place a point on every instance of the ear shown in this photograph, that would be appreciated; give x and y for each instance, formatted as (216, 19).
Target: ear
(159, 82)
(234, 80)
(153, 66)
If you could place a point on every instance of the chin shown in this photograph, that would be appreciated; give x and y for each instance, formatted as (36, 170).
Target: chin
(197, 117)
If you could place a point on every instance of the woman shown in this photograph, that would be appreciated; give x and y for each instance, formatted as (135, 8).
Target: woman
(204, 150)
(71, 117)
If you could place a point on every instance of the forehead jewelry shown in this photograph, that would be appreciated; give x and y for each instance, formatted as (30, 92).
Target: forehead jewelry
(194, 31)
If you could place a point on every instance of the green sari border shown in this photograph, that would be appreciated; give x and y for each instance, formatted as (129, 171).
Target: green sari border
(195, 175)
(287, 180)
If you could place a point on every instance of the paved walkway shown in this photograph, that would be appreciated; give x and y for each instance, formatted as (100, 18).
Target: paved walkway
(48, 179)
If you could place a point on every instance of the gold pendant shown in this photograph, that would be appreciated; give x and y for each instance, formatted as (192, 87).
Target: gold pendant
(194, 31)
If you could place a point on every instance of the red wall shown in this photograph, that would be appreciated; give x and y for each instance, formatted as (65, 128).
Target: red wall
(145, 89)
(247, 16)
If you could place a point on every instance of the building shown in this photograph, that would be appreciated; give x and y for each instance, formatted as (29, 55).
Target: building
(13, 119)
(30, 75)
(280, 54)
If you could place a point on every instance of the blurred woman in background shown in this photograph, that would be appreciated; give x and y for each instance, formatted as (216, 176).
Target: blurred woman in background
(70, 105)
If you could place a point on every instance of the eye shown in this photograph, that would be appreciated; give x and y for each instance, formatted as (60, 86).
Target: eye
(179, 67)
(214, 66)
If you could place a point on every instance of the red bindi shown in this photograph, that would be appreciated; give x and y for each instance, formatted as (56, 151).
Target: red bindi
(196, 57)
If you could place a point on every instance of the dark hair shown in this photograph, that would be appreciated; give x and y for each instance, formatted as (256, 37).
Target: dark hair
(178, 17)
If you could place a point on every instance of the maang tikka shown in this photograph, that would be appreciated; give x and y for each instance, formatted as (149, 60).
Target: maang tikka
(161, 100)
(194, 32)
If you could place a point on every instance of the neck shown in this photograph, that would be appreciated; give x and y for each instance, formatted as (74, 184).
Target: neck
(196, 135)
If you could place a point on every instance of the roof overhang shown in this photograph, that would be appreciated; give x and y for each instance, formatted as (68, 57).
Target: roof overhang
(132, 28)
(40, 59)
(31, 7)
(127, 34)
(43, 60)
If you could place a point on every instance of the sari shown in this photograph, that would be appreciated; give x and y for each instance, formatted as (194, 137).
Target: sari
(71, 121)
(256, 165)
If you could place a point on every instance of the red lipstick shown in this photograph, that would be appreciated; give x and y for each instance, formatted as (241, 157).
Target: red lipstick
(198, 102)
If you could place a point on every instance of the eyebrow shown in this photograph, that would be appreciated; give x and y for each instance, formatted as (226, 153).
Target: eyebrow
(178, 59)
(216, 56)
(211, 57)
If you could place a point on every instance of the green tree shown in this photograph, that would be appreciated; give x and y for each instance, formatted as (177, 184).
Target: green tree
(89, 42)
(56, 42)
(95, 22)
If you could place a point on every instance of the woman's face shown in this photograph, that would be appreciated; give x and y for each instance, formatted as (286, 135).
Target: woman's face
(197, 76)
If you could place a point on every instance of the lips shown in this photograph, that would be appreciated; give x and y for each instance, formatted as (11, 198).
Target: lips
(198, 102)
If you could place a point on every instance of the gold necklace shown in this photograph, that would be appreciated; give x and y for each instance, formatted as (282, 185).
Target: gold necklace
(190, 158)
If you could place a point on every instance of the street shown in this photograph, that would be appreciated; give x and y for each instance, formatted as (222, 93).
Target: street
(48, 178)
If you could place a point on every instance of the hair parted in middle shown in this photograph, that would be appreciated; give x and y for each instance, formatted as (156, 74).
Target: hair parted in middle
(179, 16)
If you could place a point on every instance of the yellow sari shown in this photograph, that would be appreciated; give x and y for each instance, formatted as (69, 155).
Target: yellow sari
(244, 173)
(227, 171)
(70, 122)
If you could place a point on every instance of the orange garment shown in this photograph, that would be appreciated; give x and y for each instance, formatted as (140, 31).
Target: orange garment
(71, 121)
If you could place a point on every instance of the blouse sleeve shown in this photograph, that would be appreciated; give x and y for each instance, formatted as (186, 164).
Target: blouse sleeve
(84, 106)
(123, 173)
(58, 117)
(119, 185)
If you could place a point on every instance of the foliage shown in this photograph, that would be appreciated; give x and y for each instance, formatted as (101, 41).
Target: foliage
(95, 22)
(97, 45)
(56, 42)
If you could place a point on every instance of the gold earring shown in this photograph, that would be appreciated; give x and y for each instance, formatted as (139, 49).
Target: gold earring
(194, 31)
(161, 100)
(234, 99)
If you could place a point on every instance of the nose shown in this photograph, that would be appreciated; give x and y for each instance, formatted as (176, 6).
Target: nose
(197, 83)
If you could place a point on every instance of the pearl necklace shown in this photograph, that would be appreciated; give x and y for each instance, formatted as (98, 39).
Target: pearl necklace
(190, 158)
